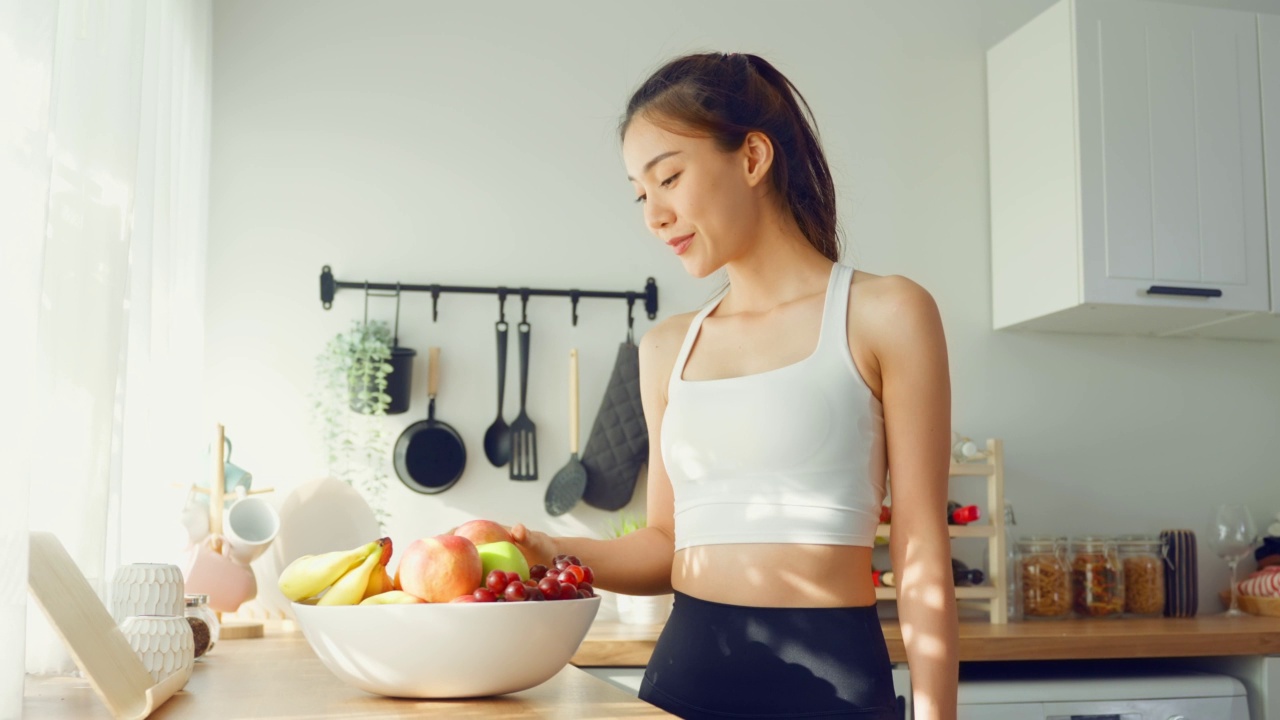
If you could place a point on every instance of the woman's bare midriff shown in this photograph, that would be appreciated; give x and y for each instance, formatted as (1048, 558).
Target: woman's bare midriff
(776, 575)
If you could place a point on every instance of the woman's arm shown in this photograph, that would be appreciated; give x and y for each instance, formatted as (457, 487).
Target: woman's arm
(916, 396)
(638, 563)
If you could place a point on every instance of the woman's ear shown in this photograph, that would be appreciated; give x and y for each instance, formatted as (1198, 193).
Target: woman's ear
(757, 155)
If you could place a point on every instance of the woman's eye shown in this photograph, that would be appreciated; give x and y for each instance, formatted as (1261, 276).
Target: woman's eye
(664, 184)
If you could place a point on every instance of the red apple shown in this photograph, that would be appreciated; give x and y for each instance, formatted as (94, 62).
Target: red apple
(440, 568)
(480, 532)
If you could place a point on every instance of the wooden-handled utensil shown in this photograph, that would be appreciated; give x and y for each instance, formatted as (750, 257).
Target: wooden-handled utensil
(566, 488)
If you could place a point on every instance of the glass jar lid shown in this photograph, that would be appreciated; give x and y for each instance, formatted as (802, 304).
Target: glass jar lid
(196, 600)
(1092, 542)
(1038, 543)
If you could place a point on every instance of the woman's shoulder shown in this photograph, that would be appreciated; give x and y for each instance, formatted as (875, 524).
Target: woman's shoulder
(881, 295)
(891, 311)
(664, 339)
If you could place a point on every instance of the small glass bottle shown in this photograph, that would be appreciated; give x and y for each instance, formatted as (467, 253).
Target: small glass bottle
(1142, 558)
(204, 623)
(1043, 579)
(1097, 578)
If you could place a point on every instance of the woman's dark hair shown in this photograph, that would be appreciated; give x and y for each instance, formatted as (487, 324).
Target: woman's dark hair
(725, 96)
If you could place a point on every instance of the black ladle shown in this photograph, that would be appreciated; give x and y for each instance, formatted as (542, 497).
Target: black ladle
(497, 439)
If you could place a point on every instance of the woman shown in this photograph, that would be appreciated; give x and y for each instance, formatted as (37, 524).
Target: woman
(774, 415)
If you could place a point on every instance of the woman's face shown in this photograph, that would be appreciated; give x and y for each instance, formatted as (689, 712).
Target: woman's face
(700, 201)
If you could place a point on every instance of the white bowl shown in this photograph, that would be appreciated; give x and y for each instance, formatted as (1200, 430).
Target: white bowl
(447, 650)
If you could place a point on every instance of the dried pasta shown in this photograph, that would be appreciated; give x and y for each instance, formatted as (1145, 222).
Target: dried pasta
(1143, 585)
(1045, 586)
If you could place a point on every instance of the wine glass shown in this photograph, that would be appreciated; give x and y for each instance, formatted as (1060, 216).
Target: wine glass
(1231, 536)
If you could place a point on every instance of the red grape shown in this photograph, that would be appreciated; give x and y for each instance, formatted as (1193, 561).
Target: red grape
(586, 588)
(536, 594)
(550, 587)
(516, 592)
(568, 591)
(576, 571)
(573, 560)
(484, 594)
(537, 572)
(496, 581)
(514, 577)
(588, 575)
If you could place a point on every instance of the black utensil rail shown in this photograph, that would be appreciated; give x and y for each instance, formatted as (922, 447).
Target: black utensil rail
(329, 287)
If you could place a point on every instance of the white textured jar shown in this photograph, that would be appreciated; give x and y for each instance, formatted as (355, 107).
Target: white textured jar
(164, 643)
(147, 589)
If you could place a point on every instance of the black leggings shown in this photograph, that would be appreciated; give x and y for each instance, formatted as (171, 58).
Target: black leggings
(715, 660)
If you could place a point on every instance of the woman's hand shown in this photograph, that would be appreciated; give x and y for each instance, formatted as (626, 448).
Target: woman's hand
(538, 548)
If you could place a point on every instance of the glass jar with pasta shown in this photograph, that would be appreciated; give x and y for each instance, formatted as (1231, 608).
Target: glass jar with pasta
(1043, 579)
(1097, 579)
(1142, 558)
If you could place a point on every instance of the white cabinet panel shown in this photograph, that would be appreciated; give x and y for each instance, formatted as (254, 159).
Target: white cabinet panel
(1269, 62)
(1170, 155)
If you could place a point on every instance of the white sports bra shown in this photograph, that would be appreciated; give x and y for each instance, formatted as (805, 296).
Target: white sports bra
(792, 455)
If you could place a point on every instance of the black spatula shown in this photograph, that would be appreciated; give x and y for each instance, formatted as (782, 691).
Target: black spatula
(524, 434)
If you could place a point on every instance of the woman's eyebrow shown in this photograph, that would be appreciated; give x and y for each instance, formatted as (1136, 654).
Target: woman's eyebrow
(655, 161)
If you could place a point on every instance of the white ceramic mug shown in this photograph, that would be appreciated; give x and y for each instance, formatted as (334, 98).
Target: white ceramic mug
(249, 526)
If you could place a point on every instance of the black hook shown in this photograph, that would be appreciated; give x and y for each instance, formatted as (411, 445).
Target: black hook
(396, 336)
(502, 305)
(573, 297)
(631, 321)
(435, 295)
(524, 306)
(366, 302)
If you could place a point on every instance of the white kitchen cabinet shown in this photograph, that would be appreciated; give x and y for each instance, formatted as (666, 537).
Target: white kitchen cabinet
(1126, 161)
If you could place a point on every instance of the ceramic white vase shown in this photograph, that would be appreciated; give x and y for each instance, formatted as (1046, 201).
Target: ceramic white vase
(147, 589)
(164, 643)
(644, 609)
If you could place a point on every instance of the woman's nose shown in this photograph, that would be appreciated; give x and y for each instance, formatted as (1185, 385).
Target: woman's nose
(657, 215)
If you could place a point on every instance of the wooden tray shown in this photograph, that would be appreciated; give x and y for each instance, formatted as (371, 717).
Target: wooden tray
(1252, 604)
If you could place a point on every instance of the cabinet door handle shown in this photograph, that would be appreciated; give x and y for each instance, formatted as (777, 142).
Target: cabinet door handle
(1193, 292)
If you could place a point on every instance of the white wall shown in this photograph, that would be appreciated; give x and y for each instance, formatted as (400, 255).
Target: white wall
(473, 144)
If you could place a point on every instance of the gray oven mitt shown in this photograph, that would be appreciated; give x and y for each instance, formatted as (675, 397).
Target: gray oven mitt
(619, 440)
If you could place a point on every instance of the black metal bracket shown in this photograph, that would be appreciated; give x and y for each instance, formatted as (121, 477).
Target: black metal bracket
(329, 287)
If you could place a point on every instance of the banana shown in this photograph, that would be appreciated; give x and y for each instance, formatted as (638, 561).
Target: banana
(349, 590)
(310, 574)
(379, 582)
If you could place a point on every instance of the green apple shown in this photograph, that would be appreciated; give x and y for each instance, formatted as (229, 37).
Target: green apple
(504, 556)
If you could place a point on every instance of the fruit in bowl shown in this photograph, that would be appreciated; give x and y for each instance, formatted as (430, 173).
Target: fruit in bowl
(409, 638)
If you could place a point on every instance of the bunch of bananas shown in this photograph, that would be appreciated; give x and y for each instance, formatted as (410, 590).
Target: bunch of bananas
(344, 577)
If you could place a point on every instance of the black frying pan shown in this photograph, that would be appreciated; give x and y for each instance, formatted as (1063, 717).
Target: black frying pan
(429, 455)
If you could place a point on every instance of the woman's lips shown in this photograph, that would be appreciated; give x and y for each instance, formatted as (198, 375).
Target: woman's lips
(681, 244)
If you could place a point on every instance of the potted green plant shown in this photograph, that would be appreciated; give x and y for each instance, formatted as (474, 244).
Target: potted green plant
(637, 609)
(350, 399)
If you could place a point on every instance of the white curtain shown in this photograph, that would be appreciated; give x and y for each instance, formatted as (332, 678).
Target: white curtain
(103, 271)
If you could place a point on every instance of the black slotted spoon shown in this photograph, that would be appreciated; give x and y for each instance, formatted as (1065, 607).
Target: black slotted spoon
(524, 434)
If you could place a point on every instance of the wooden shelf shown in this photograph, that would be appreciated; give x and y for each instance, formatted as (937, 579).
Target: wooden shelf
(981, 592)
(993, 597)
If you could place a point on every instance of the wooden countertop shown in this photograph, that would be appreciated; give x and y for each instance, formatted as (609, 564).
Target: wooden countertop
(616, 644)
(279, 676)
